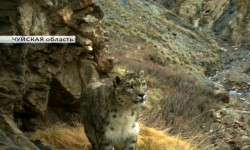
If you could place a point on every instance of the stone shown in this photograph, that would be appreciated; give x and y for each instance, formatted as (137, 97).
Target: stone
(216, 127)
(83, 41)
(225, 120)
(242, 99)
(90, 19)
(217, 115)
(241, 124)
(66, 13)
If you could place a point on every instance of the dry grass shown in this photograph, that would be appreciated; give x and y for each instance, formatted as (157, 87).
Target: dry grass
(65, 136)
(184, 97)
(150, 138)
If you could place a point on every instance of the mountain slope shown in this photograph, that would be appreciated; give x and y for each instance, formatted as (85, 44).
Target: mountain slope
(175, 42)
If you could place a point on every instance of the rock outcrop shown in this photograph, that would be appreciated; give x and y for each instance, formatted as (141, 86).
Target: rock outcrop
(35, 78)
(242, 32)
(226, 19)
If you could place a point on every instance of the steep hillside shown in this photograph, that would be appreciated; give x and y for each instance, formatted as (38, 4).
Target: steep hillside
(173, 41)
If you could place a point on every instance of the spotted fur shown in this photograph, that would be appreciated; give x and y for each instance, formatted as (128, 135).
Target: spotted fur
(110, 111)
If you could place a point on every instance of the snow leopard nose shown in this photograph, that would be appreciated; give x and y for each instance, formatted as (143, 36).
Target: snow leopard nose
(141, 95)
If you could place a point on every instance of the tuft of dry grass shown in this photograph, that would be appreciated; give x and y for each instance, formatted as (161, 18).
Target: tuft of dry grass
(68, 137)
(63, 136)
(150, 138)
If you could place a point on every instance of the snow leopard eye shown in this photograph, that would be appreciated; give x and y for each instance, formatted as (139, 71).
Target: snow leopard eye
(143, 84)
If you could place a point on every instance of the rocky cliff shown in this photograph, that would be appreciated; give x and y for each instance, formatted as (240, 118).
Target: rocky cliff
(37, 78)
(242, 32)
(225, 19)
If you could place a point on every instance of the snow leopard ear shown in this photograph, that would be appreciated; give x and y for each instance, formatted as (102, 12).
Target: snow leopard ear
(141, 73)
(117, 80)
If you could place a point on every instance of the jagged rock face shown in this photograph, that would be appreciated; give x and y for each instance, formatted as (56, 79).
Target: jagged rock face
(217, 16)
(228, 19)
(225, 21)
(241, 34)
(33, 76)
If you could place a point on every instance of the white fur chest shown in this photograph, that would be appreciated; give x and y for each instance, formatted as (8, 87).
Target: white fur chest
(121, 127)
